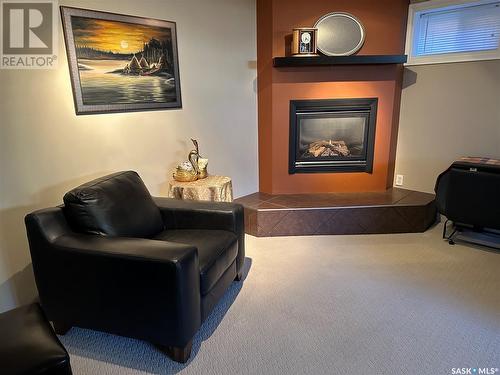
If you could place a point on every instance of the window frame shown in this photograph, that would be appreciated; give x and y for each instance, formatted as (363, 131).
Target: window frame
(451, 57)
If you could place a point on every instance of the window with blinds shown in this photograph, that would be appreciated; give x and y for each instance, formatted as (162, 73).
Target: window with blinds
(460, 30)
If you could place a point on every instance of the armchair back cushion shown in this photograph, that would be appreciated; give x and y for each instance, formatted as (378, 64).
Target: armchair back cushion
(115, 205)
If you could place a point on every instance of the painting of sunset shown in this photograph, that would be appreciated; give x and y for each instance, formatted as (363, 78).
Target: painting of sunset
(121, 63)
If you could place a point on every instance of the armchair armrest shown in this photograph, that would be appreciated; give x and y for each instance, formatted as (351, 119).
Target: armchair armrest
(186, 214)
(131, 249)
(107, 283)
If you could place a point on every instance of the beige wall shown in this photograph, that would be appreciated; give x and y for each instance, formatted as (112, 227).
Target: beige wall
(45, 149)
(447, 111)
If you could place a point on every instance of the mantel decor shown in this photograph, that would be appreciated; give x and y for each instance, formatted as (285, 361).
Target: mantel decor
(304, 41)
(121, 63)
(339, 34)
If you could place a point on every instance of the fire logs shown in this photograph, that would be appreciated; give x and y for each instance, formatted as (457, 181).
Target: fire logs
(327, 148)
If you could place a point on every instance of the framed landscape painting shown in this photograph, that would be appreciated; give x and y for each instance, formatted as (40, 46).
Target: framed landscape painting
(121, 63)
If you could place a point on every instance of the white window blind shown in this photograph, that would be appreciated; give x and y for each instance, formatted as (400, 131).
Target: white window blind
(464, 28)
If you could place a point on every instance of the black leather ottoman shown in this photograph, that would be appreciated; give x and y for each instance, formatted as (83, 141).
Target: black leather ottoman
(28, 345)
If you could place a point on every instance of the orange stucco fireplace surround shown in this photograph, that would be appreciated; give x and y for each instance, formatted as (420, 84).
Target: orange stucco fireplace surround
(357, 201)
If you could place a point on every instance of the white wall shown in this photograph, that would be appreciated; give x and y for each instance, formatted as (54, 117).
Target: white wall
(45, 149)
(447, 111)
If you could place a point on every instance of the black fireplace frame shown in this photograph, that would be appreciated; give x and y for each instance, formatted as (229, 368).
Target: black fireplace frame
(358, 105)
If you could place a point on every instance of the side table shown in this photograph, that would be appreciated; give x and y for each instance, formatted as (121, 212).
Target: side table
(211, 188)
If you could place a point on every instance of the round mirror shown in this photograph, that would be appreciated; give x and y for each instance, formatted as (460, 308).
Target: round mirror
(339, 34)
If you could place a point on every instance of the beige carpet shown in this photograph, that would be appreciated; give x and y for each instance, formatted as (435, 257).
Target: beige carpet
(371, 304)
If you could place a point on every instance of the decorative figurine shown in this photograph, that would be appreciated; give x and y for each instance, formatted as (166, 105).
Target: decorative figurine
(195, 168)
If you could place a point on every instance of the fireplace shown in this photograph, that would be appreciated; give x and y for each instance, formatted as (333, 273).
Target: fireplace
(332, 135)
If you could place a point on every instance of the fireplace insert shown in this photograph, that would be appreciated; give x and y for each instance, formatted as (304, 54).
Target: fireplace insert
(332, 135)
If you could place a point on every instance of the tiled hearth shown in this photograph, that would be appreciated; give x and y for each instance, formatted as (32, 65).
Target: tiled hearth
(393, 211)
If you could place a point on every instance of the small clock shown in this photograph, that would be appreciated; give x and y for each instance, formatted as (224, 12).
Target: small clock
(305, 38)
(304, 41)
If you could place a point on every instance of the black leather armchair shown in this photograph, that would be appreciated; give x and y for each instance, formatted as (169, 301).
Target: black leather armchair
(114, 259)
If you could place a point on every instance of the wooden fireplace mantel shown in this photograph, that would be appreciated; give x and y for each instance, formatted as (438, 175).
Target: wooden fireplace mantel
(294, 61)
